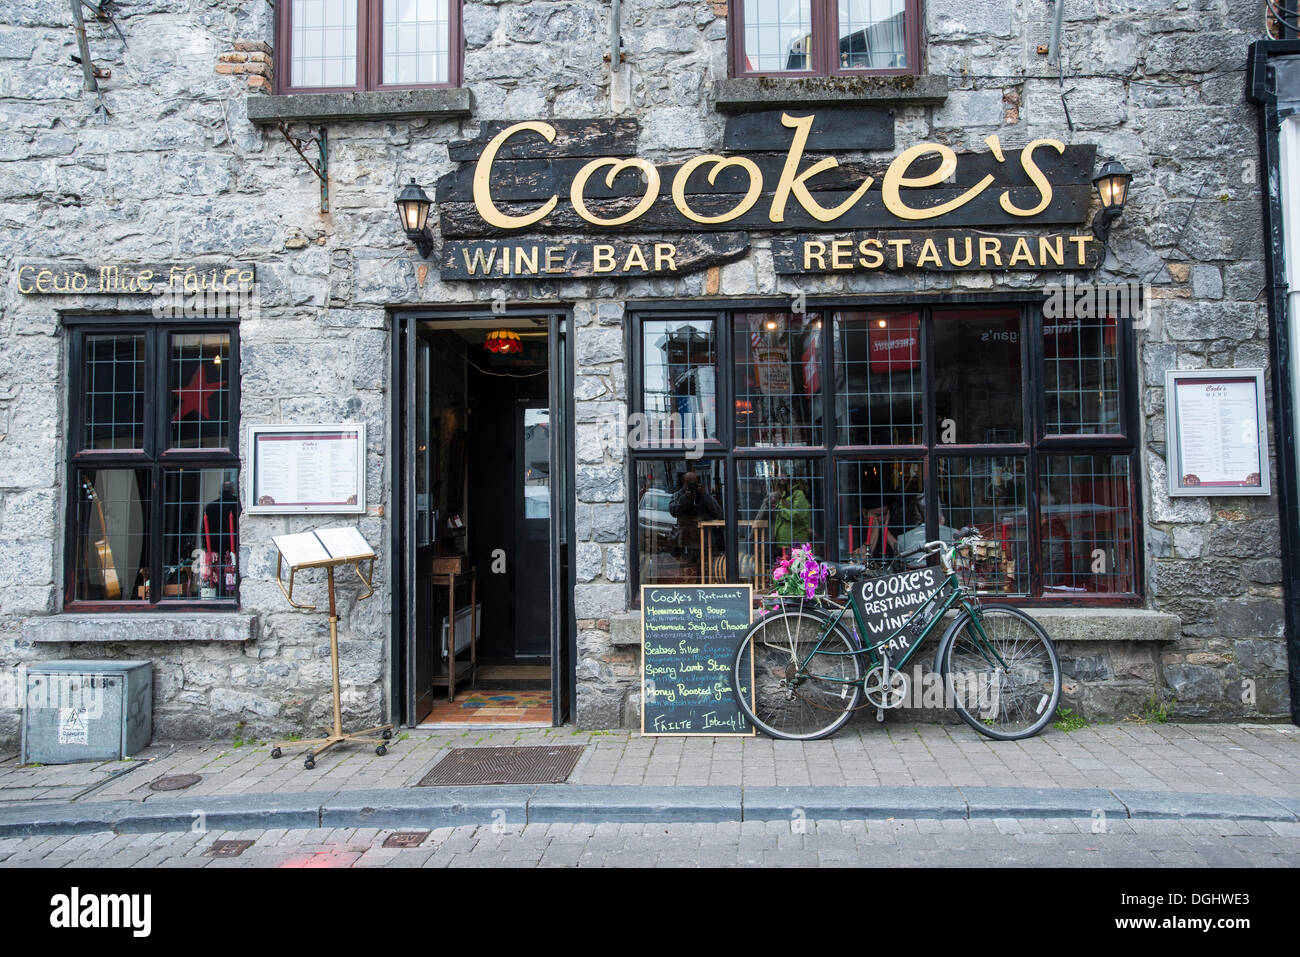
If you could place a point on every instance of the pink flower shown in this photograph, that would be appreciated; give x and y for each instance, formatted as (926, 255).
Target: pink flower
(778, 572)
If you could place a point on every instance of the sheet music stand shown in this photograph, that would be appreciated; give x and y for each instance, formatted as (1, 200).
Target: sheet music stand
(328, 548)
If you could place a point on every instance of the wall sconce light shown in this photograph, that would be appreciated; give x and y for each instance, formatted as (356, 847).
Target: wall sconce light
(1111, 183)
(413, 209)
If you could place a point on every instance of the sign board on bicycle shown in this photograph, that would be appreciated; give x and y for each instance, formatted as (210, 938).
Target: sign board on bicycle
(886, 603)
(689, 637)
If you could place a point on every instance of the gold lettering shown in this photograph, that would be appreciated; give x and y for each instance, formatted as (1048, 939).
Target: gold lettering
(25, 290)
(809, 254)
(1045, 250)
(1081, 246)
(615, 167)
(797, 184)
(602, 258)
(635, 258)
(869, 254)
(1021, 253)
(665, 255)
(952, 252)
(895, 179)
(990, 248)
(79, 282)
(841, 250)
(1036, 176)
(522, 260)
(719, 164)
(107, 278)
(929, 253)
(898, 245)
(555, 259)
(476, 260)
(483, 171)
(43, 280)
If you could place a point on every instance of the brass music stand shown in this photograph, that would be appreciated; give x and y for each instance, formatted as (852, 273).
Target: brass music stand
(329, 548)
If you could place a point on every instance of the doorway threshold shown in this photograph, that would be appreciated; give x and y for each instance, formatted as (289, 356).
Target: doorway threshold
(504, 708)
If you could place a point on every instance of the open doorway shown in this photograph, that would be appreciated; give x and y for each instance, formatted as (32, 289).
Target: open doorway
(487, 521)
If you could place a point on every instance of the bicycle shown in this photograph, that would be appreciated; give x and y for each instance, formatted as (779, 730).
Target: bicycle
(998, 668)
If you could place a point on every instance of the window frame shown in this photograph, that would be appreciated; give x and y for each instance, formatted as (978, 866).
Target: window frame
(825, 60)
(1035, 443)
(370, 54)
(155, 456)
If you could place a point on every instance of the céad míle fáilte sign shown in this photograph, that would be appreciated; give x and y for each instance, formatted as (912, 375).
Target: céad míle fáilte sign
(689, 636)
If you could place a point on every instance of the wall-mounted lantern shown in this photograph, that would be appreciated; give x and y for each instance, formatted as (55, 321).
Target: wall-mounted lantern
(413, 209)
(1111, 183)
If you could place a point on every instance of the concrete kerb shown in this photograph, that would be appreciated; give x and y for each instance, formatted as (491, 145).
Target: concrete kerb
(563, 803)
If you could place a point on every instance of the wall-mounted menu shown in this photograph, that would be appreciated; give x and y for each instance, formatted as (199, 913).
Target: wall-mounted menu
(689, 636)
(315, 468)
(1216, 440)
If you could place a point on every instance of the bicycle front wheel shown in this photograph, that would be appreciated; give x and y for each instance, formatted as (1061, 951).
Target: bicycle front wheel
(1004, 702)
(804, 678)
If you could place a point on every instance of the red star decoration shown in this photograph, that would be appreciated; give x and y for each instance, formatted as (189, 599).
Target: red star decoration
(196, 395)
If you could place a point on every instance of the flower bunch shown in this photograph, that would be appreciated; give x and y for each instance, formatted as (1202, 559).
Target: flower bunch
(798, 574)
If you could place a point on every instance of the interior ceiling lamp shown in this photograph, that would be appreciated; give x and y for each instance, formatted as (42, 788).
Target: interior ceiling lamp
(413, 209)
(503, 341)
(1111, 183)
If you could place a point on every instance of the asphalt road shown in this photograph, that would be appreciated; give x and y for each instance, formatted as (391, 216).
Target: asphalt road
(1009, 842)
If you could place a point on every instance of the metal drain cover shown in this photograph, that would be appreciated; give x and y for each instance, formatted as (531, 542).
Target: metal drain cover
(547, 765)
(227, 848)
(176, 782)
(406, 839)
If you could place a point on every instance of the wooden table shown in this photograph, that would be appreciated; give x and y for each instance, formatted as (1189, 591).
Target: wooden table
(759, 529)
(455, 673)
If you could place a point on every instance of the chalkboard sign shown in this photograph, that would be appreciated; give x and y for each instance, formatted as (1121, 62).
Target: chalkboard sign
(887, 602)
(689, 636)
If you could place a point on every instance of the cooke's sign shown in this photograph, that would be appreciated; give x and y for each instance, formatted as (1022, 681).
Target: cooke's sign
(540, 199)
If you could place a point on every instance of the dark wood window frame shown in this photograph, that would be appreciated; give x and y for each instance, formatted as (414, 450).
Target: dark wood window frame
(370, 54)
(1036, 445)
(155, 456)
(825, 53)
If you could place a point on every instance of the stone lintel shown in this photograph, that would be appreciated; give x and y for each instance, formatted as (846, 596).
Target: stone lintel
(446, 103)
(739, 94)
(179, 626)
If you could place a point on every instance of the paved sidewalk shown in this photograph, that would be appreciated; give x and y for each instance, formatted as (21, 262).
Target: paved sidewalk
(1128, 770)
(1259, 760)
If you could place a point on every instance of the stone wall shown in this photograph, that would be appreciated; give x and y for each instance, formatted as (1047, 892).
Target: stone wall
(164, 166)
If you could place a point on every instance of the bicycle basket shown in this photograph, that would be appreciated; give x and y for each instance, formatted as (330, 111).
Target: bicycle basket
(984, 568)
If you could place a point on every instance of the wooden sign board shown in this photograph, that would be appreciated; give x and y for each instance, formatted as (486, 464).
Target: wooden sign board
(946, 250)
(1215, 426)
(126, 279)
(689, 636)
(559, 258)
(887, 602)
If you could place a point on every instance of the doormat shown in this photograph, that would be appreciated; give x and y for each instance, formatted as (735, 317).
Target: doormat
(492, 707)
(546, 765)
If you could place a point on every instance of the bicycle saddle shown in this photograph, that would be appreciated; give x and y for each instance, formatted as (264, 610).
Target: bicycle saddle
(842, 571)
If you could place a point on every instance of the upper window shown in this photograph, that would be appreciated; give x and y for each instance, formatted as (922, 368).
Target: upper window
(153, 467)
(825, 37)
(338, 45)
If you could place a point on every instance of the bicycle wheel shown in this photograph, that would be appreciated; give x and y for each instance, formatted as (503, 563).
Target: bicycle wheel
(786, 704)
(1004, 703)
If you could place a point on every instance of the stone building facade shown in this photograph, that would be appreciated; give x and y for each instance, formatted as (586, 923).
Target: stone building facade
(163, 165)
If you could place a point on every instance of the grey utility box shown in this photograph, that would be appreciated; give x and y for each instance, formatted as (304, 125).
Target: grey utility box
(87, 711)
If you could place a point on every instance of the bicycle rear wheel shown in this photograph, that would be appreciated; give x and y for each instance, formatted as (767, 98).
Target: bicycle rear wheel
(1004, 703)
(791, 656)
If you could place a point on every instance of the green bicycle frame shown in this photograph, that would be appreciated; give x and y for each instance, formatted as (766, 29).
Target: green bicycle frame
(957, 596)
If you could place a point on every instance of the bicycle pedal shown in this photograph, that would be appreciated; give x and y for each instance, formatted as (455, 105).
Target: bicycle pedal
(880, 714)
